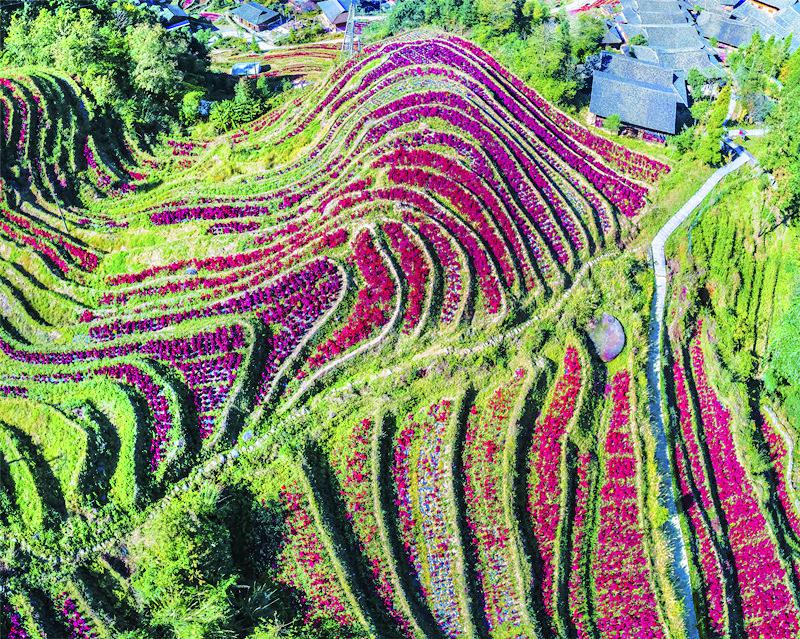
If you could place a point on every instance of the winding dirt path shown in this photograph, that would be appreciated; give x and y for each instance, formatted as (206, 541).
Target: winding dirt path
(655, 364)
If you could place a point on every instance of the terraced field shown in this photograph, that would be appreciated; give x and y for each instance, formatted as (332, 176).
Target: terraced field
(394, 268)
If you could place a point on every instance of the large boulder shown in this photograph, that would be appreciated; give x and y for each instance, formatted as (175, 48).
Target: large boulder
(607, 335)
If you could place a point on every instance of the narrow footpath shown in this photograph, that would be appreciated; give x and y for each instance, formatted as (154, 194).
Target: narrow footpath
(654, 382)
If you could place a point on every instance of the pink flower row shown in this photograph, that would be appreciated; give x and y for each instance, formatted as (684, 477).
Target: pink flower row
(544, 459)
(626, 603)
(305, 565)
(355, 473)
(485, 442)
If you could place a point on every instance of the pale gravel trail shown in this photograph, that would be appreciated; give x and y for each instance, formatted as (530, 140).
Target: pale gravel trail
(672, 527)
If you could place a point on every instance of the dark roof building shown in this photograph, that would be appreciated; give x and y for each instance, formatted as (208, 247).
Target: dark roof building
(724, 30)
(787, 24)
(171, 16)
(774, 5)
(663, 17)
(255, 17)
(685, 61)
(671, 37)
(612, 38)
(674, 37)
(334, 12)
(646, 96)
(645, 54)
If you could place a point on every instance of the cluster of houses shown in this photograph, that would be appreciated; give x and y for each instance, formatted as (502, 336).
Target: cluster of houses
(172, 16)
(660, 41)
(257, 17)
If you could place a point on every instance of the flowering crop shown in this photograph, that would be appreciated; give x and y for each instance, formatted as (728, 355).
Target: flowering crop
(778, 455)
(544, 485)
(711, 573)
(483, 480)
(768, 607)
(15, 628)
(415, 269)
(356, 492)
(372, 308)
(578, 586)
(427, 533)
(305, 565)
(626, 604)
(79, 628)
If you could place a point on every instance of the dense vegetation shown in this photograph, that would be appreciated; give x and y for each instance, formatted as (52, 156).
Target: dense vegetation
(129, 65)
(535, 41)
(336, 362)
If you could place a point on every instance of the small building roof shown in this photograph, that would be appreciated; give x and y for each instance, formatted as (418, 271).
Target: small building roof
(734, 33)
(632, 30)
(246, 68)
(663, 17)
(687, 60)
(612, 36)
(645, 54)
(637, 103)
(788, 25)
(778, 4)
(631, 16)
(255, 13)
(673, 37)
(176, 10)
(625, 66)
(748, 11)
(658, 6)
(333, 9)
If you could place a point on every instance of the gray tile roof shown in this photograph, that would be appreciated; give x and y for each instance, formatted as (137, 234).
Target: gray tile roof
(784, 24)
(674, 37)
(631, 16)
(639, 104)
(657, 6)
(663, 17)
(176, 11)
(624, 66)
(255, 13)
(778, 4)
(705, 5)
(748, 11)
(334, 8)
(734, 33)
(631, 30)
(680, 88)
(612, 36)
(687, 60)
(645, 54)
(787, 24)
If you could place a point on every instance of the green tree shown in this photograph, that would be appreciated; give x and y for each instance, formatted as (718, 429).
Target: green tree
(588, 36)
(245, 91)
(154, 60)
(754, 69)
(709, 146)
(183, 566)
(683, 142)
(782, 155)
(190, 107)
(612, 123)
(500, 16)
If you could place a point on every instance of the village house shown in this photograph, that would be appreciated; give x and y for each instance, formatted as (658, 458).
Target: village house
(647, 97)
(255, 17)
(334, 13)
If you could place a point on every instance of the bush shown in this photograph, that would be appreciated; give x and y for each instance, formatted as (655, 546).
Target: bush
(612, 123)
(190, 107)
(182, 566)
